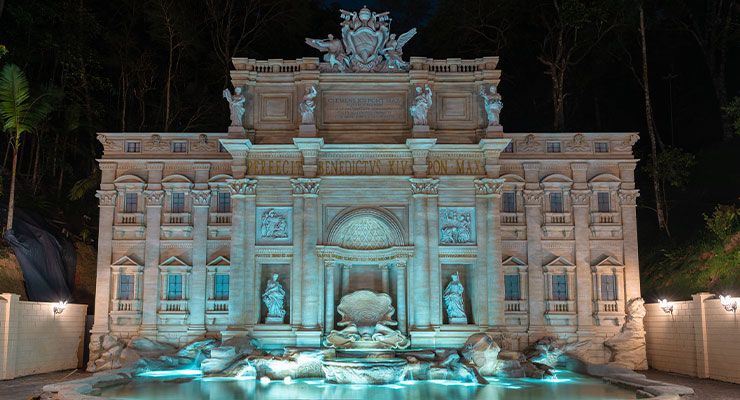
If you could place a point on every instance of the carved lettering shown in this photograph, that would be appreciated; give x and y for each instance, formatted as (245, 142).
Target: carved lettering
(385, 107)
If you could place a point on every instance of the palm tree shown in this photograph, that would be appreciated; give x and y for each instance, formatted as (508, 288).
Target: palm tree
(19, 114)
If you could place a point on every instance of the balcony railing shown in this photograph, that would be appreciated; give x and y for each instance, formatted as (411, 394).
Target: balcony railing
(560, 306)
(173, 305)
(558, 218)
(126, 305)
(220, 218)
(610, 306)
(604, 218)
(217, 306)
(512, 218)
(130, 218)
(177, 218)
(514, 306)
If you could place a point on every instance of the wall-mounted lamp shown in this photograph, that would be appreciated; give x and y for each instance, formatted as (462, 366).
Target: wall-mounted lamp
(728, 303)
(59, 307)
(666, 306)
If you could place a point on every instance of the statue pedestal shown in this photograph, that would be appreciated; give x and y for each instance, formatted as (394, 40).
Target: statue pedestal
(459, 320)
(494, 131)
(274, 320)
(237, 132)
(307, 130)
(421, 131)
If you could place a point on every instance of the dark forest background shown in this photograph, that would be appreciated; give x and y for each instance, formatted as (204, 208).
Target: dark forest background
(568, 65)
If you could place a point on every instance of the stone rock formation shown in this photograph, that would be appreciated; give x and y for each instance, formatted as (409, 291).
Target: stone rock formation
(628, 346)
(482, 350)
(110, 352)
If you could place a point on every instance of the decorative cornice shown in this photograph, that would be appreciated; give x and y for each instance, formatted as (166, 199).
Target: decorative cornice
(242, 187)
(109, 145)
(428, 186)
(154, 197)
(107, 197)
(303, 186)
(533, 197)
(578, 144)
(489, 186)
(201, 198)
(628, 197)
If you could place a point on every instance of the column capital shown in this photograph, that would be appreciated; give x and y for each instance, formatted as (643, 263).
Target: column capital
(628, 197)
(201, 198)
(107, 197)
(305, 186)
(424, 186)
(580, 198)
(489, 186)
(242, 186)
(532, 197)
(154, 198)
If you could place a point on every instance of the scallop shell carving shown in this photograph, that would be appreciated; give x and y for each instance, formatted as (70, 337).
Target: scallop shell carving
(366, 308)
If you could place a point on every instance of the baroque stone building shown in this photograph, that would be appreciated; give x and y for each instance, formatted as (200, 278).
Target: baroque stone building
(366, 172)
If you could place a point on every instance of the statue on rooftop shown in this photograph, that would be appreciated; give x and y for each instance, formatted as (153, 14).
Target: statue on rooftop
(274, 298)
(394, 50)
(422, 103)
(307, 106)
(236, 102)
(453, 299)
(334, 49)
(492, 104)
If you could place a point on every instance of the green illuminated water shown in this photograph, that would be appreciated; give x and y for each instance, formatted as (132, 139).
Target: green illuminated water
(568, 386)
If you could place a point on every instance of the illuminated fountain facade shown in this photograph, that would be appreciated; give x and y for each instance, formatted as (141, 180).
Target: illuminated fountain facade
(366, 176)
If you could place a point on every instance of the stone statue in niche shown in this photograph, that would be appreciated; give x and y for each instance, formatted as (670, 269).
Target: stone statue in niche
(274, 299)
(236, 102)
(274, 225)
(421, 106)
(456, 226)
(492, 104)
(307, 106)
(453, 299)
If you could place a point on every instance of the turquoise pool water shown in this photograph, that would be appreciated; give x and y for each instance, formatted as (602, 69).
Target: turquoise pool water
(568, 385)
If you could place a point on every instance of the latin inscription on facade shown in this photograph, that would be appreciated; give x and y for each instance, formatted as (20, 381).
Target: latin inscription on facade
(386, 107)
(274, 166)
(456, 166)
(366, 167)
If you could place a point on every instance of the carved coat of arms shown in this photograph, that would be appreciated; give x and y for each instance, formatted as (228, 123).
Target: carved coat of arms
(366, 45)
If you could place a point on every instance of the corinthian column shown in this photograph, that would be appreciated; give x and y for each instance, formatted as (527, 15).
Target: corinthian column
(329, 297)
(105, 249)
(489, 190)
(308, 190)
(422, 189)
(150, 300)
(401, 296)
(201, 200)
(239, 292)
(533, 197)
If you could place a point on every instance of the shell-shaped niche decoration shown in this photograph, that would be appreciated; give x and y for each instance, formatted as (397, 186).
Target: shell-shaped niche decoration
(366, 308)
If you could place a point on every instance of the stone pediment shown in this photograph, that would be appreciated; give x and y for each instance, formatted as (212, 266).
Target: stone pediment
(126, 261)
(513, 261)
(220, 261)
(559, 263)
(173, 262)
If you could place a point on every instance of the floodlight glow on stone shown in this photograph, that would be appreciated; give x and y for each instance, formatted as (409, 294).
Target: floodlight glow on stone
(728, 303)
(666, 306)
(264, 380)
(59, 307)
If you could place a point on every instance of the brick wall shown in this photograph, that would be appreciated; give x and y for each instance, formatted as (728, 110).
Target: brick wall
(33, 340)
(699, 339)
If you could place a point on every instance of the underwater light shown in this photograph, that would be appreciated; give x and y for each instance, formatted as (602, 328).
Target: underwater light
(264, 380)
(287, 380)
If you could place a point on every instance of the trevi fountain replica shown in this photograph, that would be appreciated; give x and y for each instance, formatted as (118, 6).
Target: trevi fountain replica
(365, 228)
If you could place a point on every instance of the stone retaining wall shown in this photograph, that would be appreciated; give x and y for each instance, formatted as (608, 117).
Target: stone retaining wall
(33, 340)
(700, 338)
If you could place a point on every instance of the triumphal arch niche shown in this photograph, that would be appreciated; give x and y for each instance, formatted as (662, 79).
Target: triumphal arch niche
(366, 171)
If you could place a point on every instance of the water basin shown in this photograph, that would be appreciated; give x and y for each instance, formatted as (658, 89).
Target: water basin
(374, 371)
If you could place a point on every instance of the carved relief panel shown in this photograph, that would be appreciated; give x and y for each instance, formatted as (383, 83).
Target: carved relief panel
(457, 225)
(274, 225)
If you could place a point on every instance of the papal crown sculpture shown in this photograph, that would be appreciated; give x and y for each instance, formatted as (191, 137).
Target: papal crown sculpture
(366, 45)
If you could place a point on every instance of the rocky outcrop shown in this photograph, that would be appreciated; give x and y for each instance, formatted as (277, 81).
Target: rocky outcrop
(482, 350)
(441, 364)
(295, 363)
(628, 346)
(109, 352)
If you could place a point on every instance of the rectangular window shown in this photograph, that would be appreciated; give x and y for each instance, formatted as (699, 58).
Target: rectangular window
(603, 200)
(223, 202)
(179, 147)
(509, 202)
(130, 203)
(174, 287)
(509, 148)
(511, 287)
(178, 202)
(608, 287)
(126, 287)
(560, 287)
(601, 147)
(556, 202)
(221, 287)
(133, 147)
(553, 147)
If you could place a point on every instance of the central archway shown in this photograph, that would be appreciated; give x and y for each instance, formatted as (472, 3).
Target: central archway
(366, 229)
